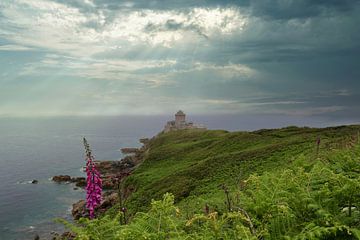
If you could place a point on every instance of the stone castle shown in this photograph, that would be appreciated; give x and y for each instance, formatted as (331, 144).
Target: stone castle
(180, 123)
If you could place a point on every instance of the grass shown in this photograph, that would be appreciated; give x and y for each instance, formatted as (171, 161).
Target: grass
(192, 164)
(266, 184)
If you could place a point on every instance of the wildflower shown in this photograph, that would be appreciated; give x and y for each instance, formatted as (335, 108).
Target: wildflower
(93, 182)
(206, 209)
(318, 140)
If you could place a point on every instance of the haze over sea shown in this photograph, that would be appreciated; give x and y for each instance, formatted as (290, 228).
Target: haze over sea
(41, 148)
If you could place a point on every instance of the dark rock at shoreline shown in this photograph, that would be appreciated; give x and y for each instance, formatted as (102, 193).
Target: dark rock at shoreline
(112, 173)
(80, 181)
(114, 167)
(108, 183)
(61, 178)
(34, 181)
(144, 141)
(109, 199)
(79, 209)
(129, 150)
(107, 202)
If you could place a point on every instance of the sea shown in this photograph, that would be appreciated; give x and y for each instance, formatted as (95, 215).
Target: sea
(40, 148)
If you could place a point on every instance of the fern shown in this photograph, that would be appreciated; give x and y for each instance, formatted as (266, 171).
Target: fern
(308, 200)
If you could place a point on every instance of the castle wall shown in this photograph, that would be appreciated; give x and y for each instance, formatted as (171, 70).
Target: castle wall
(179, 118)
(180, 123)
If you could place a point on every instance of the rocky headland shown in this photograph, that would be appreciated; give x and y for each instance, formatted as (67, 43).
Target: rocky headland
(112, 174)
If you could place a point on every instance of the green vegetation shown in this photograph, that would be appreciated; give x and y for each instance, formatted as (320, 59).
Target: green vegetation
(267, 184)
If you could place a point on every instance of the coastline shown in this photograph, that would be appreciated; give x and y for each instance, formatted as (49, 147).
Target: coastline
(45, 148)
(113, 172)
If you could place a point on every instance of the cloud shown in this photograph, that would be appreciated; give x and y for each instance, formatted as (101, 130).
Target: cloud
(292, 9)
(105, 69)
(203, 21)
(312, 111)
(168, 28)
(167, 5)
(189, 74)
(11, 47)
(48, 25)
(291, 57)
(66, 29)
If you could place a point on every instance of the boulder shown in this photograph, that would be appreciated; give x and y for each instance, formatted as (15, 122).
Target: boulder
(104, 167)
(144, 141)
(114, 167)
(79, 181)
(110, 182)
(61, 178)
(79, 209)
(129, 150)
(108, 201)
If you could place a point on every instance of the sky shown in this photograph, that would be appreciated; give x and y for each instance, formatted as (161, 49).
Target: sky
(296, 58)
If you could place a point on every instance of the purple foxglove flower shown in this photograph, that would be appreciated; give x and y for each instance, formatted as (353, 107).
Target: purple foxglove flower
(93, 182)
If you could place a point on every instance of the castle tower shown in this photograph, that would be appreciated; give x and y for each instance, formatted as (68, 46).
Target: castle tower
(179, 118)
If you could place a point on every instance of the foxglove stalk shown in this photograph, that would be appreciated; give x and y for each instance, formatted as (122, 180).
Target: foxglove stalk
(93, 182)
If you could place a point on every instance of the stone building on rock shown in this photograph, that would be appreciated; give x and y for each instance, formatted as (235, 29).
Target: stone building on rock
(181, 123)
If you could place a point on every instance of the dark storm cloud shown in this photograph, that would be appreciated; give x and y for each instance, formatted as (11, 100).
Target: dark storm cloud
(279, 9)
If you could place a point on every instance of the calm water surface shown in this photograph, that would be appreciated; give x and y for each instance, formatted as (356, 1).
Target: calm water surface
(41, 148)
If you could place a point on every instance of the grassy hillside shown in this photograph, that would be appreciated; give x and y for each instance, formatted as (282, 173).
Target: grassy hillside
(193, 164)
(267, 184)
